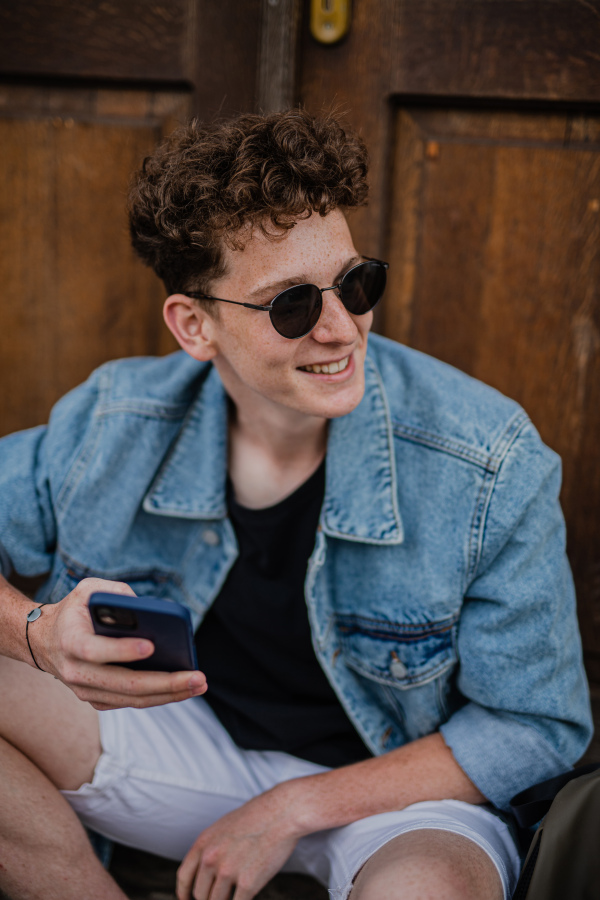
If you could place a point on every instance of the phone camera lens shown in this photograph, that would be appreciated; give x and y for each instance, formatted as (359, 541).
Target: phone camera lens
(106, 616)
(115, 616)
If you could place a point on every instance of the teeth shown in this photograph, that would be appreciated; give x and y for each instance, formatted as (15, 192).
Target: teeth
(331, 369)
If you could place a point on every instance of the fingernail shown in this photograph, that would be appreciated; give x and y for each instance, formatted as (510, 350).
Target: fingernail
(144, 648)
(196, 683)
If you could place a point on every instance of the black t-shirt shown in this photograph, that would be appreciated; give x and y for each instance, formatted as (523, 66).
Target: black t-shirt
(264, 681)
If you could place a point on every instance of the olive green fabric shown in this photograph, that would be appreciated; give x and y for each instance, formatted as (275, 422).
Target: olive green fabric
(565, 852)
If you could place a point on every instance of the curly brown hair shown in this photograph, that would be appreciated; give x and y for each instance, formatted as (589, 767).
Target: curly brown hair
(213, 183)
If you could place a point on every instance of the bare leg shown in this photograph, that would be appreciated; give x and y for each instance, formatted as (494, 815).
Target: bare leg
(49, 741)
(428, 865)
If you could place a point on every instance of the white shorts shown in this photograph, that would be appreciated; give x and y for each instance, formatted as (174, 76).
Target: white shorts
(167, 773)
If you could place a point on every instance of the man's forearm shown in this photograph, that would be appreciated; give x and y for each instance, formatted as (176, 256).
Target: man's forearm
(14, 607)
(422, 770)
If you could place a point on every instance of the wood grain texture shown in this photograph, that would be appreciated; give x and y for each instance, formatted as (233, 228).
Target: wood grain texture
(211, 46)
(226, 52)
(132, 39)
(354, 77)
(74, 293)
(277, 56)
(495, 268)
(522, 49)
(525, 50)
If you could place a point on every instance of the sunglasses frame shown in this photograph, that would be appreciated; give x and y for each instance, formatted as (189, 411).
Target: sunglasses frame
(196, 295)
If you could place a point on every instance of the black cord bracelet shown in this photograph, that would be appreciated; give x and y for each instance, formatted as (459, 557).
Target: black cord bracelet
(32, 615)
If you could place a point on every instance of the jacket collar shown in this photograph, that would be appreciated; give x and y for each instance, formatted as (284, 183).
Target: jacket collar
(191, 482)
(361, 489)
(361, 492)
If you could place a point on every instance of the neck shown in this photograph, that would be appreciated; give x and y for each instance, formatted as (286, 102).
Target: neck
(272, 450)
(285, 439)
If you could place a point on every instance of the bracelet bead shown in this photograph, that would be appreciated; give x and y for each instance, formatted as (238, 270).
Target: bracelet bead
(32, 615)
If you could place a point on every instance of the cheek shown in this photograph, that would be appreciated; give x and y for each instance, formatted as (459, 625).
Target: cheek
(259, 357)
(364, 323)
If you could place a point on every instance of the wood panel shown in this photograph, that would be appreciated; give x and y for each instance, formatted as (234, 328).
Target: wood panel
(519, 49)
(210, 47)
(74, 295)
(137, 39)
(277, 54)
(525, 50)
(354, 78)
(495, 268)
(225, 67)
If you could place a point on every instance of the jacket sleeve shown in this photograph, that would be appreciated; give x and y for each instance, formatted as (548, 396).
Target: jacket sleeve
(33, 467)
(520, 663)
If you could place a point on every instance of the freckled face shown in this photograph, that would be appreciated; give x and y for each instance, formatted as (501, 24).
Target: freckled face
(253, 359)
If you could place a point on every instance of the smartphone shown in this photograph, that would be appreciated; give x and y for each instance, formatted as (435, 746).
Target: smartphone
(164, 622)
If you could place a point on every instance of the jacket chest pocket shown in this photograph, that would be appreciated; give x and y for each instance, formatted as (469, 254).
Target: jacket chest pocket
(153, 583)
(409, 667)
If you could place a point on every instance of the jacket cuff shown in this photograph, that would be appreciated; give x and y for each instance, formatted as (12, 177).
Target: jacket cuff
(6, 567)
(500, 754)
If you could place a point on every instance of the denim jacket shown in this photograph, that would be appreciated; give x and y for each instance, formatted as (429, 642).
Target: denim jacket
(438, 591)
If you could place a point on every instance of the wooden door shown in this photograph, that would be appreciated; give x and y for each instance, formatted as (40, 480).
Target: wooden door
(87, 88)
(483, 124)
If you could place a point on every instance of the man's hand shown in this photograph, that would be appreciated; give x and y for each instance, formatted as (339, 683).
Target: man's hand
(239, 854)
(236, 857)
(65, 645)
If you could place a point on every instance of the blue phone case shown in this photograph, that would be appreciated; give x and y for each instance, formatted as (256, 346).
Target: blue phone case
(164, 622)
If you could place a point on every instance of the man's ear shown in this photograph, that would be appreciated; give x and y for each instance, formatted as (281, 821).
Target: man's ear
(191, 325)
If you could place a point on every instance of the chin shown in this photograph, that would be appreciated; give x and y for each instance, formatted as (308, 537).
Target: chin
(337, 406)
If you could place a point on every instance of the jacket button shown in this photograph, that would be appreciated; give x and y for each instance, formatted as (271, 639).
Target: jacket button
(211, 537)
(398, 669)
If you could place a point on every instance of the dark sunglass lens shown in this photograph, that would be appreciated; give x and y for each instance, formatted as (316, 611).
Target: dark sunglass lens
(362, 287)
(296, 310)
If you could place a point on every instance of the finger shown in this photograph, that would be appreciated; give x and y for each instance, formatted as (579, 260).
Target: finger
(186, 874)
(221, 889)
(89, 586)
(102, 701)
(96, 648)
(243, 893)
(204, 884)
(118, 680)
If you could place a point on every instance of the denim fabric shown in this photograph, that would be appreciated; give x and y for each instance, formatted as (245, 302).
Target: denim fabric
(438, 592)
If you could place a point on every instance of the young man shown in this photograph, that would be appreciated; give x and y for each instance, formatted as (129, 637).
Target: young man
(369, 541)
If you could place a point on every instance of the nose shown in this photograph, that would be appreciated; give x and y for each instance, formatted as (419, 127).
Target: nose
(335, 325)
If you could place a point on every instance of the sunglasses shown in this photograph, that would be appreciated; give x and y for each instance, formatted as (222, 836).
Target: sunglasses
(295, 311)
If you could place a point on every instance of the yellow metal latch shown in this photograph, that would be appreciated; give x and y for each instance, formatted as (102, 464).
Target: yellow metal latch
(329, 20)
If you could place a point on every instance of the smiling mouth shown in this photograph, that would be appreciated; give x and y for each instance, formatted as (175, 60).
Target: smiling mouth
(329, 368)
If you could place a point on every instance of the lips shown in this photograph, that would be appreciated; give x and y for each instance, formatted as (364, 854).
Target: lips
(329, 368)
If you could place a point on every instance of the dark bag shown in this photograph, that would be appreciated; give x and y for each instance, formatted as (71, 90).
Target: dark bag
(563, 862)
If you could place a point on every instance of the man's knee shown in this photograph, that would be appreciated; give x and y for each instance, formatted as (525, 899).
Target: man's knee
(428, 864)
(45, 721)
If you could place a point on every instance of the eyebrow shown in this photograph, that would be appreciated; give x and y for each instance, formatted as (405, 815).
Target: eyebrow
(275, 287)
